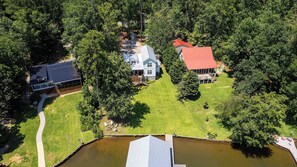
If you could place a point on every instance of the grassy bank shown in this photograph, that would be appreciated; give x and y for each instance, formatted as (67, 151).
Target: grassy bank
(165, 114)
(62, 132)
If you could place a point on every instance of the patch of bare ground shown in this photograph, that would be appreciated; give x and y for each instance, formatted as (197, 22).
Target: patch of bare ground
(16, 159)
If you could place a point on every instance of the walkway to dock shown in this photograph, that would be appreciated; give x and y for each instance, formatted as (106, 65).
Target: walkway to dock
(169, 139)
(289, 144)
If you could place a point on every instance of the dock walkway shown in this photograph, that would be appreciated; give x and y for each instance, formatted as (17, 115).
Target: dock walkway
(290, 145)
(169, 139)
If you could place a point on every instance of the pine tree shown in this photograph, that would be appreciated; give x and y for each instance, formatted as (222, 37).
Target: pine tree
(188, 87)
(176, 71)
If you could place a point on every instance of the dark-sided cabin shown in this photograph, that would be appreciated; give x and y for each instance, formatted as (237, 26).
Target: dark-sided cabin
(58, 76)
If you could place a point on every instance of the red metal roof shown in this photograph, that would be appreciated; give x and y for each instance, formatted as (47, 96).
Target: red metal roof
(198, 58)
(179, 42)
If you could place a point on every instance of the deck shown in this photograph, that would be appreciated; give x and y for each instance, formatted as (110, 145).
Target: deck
(290, 145)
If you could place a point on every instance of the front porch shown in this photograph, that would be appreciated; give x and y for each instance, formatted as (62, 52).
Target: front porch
(137, 77)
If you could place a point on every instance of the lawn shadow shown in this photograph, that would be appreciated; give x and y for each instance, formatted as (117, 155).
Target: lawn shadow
(160, 74)
(16, 138)
(193, 98)
(138, 112)
(48, 101)
(27, 112)
(253, 152)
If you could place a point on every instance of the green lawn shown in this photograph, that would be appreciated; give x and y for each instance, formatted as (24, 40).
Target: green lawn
(165, 114)
(168, 115)
(62, 129)
(23, 150)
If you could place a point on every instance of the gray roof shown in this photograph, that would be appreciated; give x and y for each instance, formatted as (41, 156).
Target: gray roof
(149, 152)
(58, 72)
(147, 52)
(38, 73)
(61, 72)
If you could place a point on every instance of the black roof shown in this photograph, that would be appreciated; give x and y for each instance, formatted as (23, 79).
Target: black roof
(38, 73)
(58, 72)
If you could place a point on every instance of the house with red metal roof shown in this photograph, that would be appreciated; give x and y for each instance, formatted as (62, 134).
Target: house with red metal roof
(201, 61)
(180, 44)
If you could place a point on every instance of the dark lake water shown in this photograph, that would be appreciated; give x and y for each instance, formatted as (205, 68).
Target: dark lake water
(112, 152)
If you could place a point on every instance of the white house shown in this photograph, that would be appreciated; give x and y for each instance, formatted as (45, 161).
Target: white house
(144, 65)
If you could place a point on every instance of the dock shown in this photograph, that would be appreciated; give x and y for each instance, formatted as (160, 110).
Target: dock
(169, 139)
(288, 144)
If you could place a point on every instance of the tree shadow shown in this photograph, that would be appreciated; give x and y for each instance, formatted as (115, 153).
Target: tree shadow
(48, 101)
(252, 152)
(27, 112)
(16, 138)
(193, 98)
(138, 112)
(230, 73)
(160, 75)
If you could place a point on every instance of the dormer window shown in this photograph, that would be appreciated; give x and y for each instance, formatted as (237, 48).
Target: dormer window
(149, 64)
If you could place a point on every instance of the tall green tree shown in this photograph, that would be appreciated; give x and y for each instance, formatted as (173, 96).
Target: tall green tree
(254, 120)
(106, 75)
(78, 18)
(160, 30)
(189, 86)
(258, 51)
(12, 74)
(215, 23)
(39, 25)
(169, 56)
(110, 27)
(176, 71)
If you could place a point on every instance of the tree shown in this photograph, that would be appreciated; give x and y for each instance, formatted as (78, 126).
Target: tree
(107, 76)
(118, 89)
(160, 30)
(255, 119)
(176, 71)
(169, 56)
(38, 23)
(215, 23)
(12, 74)
(188, 87)
(110, 28)
(78, 18)
(258, 51)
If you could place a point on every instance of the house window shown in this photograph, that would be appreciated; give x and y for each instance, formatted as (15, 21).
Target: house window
(149, 64)
(149, 72)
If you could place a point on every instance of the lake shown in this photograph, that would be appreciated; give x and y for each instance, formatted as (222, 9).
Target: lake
(112, 152)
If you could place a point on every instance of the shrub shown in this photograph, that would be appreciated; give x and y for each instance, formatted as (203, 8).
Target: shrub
(211, 135)
(205, 105)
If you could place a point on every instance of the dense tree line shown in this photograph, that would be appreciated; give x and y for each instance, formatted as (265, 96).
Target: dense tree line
(256, 39)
